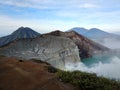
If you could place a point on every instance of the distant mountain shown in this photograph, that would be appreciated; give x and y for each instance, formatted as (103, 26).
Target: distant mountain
(96, 33)
(92, 33)
(108, 39)
(20, 33)
(79, 30)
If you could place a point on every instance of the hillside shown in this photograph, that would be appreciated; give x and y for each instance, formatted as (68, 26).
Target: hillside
(110, 40)
(17, 74)
(93, 33)
(87, 47)
(55, 50)
(20, 33)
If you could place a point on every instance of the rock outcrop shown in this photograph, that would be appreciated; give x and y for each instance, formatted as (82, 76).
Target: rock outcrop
(53, 49)
(87, 47)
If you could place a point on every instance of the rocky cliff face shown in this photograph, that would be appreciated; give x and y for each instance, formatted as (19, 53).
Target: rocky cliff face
(55, 50)
(86, 47)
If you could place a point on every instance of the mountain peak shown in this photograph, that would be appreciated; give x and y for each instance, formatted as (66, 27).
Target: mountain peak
(20, 33)
(55, 33)
(80, 30)
(94, 29)
(23, 28)
(25, 32)
(97, 31)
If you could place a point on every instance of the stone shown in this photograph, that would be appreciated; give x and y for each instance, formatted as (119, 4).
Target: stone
(57, 51)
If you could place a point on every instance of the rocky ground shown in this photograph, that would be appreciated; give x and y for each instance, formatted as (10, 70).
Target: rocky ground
(28, 75)
(17, 74)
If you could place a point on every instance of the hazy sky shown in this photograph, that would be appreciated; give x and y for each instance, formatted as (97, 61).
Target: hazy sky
(47, 15)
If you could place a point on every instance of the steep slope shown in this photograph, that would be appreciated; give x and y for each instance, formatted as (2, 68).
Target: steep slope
(55, 50)
(92, 33)
(107, 39)
(96, 33)
(20, 33)
(87, 47)
(16, 74)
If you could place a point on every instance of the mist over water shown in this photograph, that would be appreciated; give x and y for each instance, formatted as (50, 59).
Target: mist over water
(111, 43)
(103, 65)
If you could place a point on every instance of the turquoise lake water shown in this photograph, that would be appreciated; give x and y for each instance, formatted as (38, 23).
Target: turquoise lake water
(103, 58)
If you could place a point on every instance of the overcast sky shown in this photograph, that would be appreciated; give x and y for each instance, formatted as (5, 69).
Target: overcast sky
(47, 15)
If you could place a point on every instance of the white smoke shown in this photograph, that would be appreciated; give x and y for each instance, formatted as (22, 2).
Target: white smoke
(109, 70)
(111, 43)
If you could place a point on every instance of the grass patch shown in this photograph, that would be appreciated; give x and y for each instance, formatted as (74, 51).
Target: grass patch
(2, 56)
(87, 81)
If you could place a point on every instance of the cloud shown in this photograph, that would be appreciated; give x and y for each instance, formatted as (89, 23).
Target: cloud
(49, 4)
(57, 14)
(88, 5)
(109, 69)
(70, 14)
(9, 24)
(24, 3)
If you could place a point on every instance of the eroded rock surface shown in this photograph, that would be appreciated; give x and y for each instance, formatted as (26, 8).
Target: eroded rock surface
(87, 47)
(55, 50)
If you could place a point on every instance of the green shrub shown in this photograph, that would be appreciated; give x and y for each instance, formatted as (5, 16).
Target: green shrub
(87, 81)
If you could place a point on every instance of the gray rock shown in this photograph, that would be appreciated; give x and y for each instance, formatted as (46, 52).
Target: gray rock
(55, 50)
(87, 48)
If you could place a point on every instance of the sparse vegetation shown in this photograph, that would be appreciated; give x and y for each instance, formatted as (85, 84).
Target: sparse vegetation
(2, 56)
(87, 81)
